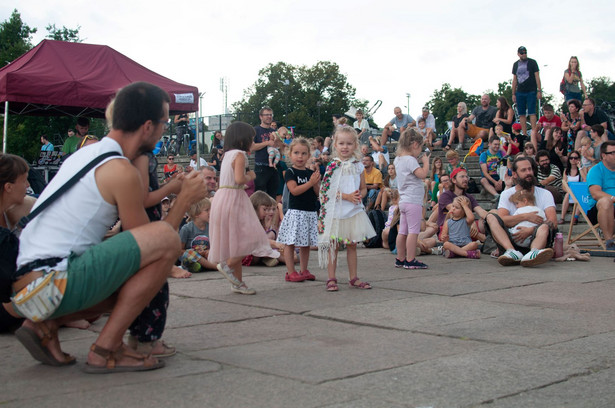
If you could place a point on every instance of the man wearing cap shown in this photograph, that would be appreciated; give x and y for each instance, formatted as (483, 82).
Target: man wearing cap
(459, 185)
(525, 88)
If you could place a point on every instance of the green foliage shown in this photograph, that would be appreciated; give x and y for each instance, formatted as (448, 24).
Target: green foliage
(295, 93)
(63, 34)
(443, 103)
(25, 131)
(15, 38)
(601, 89)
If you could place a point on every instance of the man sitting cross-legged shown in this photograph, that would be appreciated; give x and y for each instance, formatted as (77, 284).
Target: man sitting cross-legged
(541, 236)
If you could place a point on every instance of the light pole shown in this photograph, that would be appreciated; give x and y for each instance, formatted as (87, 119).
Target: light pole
(408, 106)
(319, 104)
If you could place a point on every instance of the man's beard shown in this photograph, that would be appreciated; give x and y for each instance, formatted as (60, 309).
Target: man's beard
(527, 184)
(545, 169)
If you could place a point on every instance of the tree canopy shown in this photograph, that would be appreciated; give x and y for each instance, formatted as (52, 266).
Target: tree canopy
(25, 131)
(300, 96)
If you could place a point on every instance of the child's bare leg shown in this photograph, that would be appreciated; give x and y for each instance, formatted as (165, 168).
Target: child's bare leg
(351, 256)
(385, 237)
(410, 246)
(333, 263)
(400, 244)
(289, 254)
(304, 257)
(207, 264)
(235, 265)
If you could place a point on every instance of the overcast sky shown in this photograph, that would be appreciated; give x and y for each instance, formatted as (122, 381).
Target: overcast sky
(386, 48)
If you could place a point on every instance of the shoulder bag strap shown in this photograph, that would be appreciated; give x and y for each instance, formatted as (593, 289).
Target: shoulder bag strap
(26, 219)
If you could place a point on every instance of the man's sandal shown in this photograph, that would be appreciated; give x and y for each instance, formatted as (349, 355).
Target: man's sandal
(332, 285)
(37, 347)
(111, 357)
(362, 285)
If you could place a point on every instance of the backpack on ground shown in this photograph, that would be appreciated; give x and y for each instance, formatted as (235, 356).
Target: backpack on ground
(377, 218)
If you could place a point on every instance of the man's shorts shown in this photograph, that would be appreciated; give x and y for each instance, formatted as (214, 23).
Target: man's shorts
(592, 214)
(474, 130)
(395, 135)
(496, 177)
(521, 249)
(99, 272)
(526, 103)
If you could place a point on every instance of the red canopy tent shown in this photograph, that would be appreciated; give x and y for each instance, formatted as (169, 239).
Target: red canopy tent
(58, 78)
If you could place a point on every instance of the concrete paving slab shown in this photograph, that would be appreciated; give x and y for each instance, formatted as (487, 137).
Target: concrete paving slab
(591, 297)
(597, 392)
(468, 379)
(455, 284)
(320, 357)
(194, 311)
(228, 387)
(235, 333)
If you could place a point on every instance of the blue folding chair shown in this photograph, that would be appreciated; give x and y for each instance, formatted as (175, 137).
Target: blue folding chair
(579, 191)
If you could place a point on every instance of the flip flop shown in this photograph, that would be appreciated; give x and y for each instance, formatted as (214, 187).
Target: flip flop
(111, 358)
(37, 349)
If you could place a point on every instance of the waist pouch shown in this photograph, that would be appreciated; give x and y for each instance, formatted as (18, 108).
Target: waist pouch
(42, 297)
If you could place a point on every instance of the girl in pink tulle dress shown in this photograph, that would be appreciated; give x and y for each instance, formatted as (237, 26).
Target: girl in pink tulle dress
(234, 228)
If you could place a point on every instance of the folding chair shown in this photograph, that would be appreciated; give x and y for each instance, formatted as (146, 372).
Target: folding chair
(579, 191)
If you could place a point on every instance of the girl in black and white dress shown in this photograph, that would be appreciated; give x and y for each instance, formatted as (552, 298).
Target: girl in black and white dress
(299, 226)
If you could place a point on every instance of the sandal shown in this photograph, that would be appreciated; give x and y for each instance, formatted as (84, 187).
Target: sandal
(332, 285)
(362, 285)
(111, 357)
(37, 347)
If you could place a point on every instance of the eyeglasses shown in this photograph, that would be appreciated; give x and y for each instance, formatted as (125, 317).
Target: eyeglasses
(573, 158)
(609, 153)
(171, 158)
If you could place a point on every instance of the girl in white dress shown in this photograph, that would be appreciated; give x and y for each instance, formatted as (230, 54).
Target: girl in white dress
(342, 216)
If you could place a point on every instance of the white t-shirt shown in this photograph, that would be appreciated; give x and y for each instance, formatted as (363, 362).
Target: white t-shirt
(364, 125)
(411, 188)
(349, 183)
(543, 198)
(201, 160)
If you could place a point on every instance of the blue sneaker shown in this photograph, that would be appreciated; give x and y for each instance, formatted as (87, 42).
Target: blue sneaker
(398, 263)
(414, 264)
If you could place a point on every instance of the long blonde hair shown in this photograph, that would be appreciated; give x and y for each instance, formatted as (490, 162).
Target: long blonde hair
(408, 137)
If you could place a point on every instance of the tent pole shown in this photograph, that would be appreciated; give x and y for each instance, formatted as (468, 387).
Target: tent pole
(197, 145)
(6, 120)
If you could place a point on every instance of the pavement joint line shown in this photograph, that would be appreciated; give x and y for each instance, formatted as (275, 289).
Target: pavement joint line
(587, 372)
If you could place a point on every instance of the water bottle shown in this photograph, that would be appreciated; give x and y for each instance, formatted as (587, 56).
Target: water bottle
(558, 245)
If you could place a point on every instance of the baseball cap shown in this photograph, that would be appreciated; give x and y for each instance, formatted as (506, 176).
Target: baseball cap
(516, 126)
(522, 50)
(457, 171)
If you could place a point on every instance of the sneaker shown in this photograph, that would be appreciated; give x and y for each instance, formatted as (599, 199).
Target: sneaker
(610, 245)
(510, 257)
(449, 254)
(242, 289)
(308, 275)
(459, 147)
(414, 264)
(475, 254)
(398, 263)
(294, 276)
(495, 198)
(228, 273)
(436, 250)
(537, 257)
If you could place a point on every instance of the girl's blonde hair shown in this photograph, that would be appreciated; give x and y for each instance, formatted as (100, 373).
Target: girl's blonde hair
(408, 137)
(300, 141)
(349, 130)
(452, 153)
(342, 121)
(261, 198)
(197, 208)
